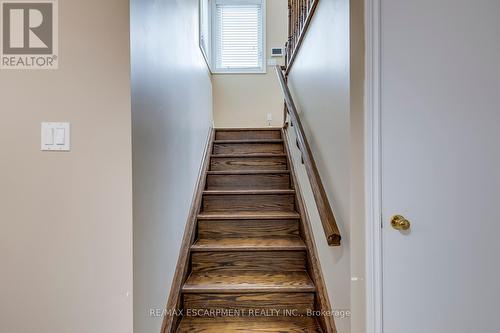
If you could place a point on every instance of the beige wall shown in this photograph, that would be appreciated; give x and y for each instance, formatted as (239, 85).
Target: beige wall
(327, 83)
(172, 114)
(66, 217)
(244, 100)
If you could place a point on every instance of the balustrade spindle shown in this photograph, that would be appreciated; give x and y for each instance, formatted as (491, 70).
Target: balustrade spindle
(300, 13)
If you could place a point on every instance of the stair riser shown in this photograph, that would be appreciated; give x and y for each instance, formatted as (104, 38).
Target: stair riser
(248, 148)
(245, 182)
(248, 163)
(249, 202)
(247, 135)
(269, 261)
(248, 228)
(256, 303)
(249, 325)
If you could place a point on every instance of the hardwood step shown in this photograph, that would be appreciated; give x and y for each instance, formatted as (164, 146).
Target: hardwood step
(278, 303)
(249, 200)
(248, 215)
(249, 148)
(249, 141)
(247, 172)
(241, 228)
(249, 325)
(238, 179)
(263, 155)
(249, 244)
(248, 282)
(245, 162)
(240, 134)
(236, 261)
(248, 192)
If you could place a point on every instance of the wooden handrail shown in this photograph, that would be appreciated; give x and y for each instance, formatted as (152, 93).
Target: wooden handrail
(324, 208)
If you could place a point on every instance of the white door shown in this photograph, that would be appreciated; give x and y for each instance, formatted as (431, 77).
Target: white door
(440, 109)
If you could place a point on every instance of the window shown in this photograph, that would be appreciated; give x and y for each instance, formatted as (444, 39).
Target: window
(238, 40)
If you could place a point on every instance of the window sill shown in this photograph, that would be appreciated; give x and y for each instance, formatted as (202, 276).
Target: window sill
(239, 72)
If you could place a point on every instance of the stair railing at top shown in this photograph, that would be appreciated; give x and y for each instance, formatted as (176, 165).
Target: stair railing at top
(324, 208)
(300, 13)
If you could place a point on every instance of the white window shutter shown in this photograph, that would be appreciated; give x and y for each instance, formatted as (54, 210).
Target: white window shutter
(239, 37)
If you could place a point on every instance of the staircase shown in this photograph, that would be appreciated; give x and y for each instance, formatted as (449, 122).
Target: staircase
(248, 268)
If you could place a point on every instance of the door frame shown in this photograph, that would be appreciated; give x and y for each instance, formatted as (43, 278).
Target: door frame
(373, 168)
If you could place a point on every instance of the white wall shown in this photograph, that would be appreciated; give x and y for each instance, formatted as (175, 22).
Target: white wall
(172, 113)
(66, 217)
(244, 100)
(327, 82)
(357, 80)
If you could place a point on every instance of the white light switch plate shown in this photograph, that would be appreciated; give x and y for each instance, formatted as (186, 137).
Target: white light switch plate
(55, 136)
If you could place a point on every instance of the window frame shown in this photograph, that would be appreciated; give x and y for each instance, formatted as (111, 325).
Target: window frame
(257, 70)
(206, 48)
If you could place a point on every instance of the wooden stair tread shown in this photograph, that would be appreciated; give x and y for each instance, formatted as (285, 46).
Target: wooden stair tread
(249, 141)
(246, 129)
(249, 147)
(249, 244)
(232, 192)
(248, 281)
(224, 162)
(247, 172)
(254, 215)
(249, 324)
(246, 155)
(248, 228)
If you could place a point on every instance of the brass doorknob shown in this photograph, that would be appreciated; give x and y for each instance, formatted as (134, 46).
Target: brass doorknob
(398, 222)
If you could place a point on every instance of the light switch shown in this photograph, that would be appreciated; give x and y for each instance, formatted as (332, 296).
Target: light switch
(49, 136)
(59, 136)
(55, 136)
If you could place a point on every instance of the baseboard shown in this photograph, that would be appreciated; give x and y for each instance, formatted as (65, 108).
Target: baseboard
(171, 321)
